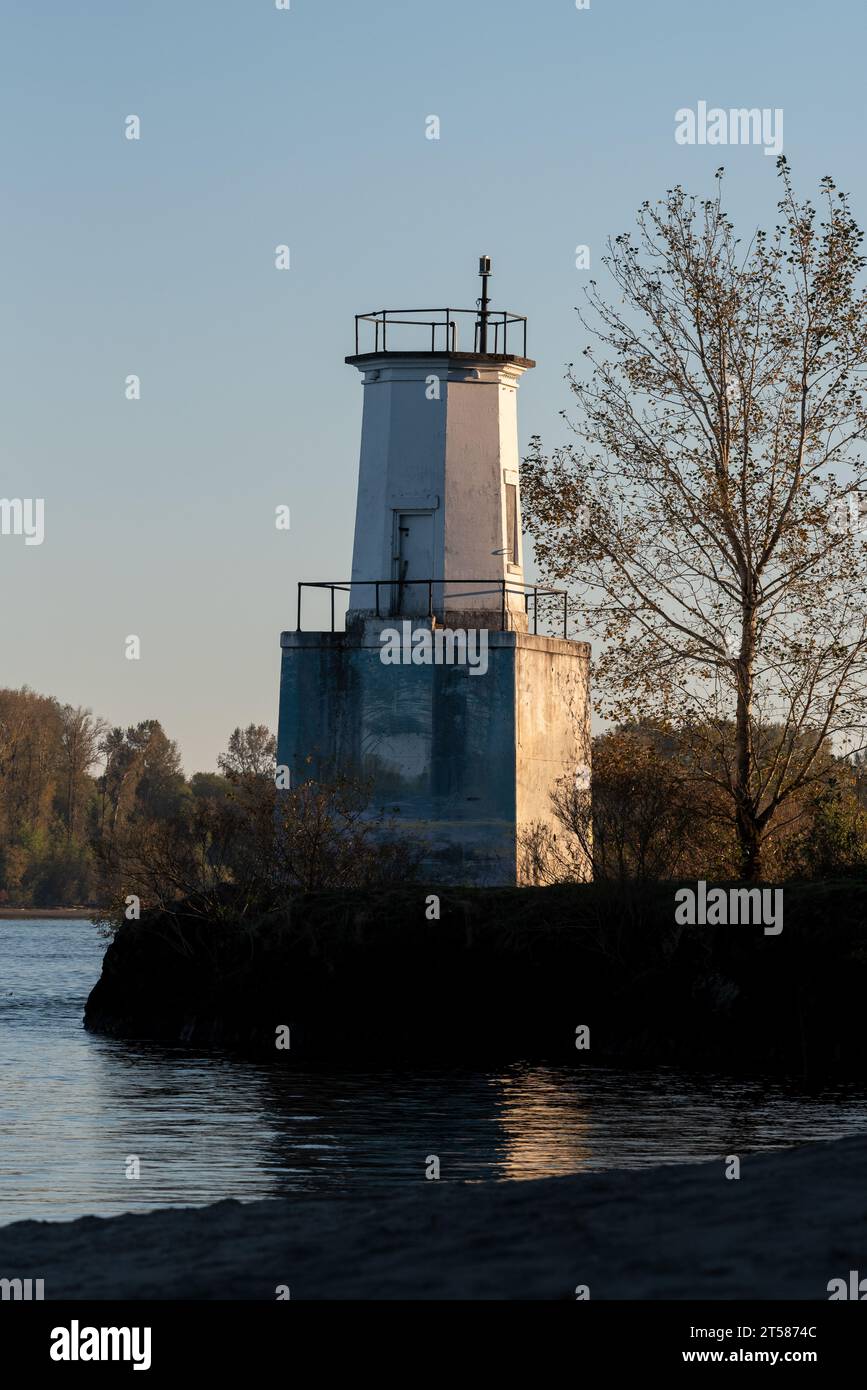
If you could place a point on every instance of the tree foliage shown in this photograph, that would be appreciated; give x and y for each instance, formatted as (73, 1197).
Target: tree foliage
(648, 816)
(47, 799)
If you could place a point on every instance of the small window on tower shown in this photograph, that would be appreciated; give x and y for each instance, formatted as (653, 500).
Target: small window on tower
(512, 523)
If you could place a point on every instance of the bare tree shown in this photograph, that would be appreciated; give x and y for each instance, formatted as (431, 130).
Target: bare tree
(643, 818)
(245, 855)
(702, 518)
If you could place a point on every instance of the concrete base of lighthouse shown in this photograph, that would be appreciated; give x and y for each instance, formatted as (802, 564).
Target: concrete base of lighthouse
(462, 761)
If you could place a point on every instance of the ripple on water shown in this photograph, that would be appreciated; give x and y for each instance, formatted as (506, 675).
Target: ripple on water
(74, 1108)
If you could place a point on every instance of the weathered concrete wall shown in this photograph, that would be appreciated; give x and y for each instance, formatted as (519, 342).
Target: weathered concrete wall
(552, 684)
(456, 759)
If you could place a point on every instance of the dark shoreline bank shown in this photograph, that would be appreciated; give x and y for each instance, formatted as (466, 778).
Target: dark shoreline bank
(504, 975)
(792, 1222)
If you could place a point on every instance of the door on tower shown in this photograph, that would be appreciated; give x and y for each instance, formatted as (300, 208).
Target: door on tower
(413, 561)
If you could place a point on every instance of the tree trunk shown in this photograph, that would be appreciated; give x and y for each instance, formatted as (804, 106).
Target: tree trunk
(749, 830)
(750, 846)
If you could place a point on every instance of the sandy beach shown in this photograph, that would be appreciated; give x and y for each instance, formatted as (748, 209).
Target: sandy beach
(794, 1220)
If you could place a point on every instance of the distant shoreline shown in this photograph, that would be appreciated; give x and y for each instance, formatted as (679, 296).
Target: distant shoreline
(13, 914)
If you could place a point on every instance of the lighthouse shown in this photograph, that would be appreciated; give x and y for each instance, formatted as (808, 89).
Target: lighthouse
(450, 688)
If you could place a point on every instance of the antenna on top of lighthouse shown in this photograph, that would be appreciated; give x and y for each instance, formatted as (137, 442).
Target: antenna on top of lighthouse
(483, 303)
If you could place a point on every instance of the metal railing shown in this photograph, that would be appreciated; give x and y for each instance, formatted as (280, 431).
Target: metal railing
(443, 326)
(531, 593)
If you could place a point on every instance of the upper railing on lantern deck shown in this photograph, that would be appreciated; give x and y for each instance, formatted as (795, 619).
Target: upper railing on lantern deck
(445, 330)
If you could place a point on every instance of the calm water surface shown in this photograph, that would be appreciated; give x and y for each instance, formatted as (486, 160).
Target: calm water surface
(207, 1126)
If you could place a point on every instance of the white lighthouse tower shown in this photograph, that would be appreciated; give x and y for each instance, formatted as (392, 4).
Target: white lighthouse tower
(462, 758)
(438, 512)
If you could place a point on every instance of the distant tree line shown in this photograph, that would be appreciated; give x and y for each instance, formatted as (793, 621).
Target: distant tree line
(94, 815)
(73, 790)
(91, 815)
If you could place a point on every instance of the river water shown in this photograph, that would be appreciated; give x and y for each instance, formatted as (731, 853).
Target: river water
(75, 1108)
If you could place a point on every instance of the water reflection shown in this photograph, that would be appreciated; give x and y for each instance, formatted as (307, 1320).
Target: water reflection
(545, 1124)
(206, 1126)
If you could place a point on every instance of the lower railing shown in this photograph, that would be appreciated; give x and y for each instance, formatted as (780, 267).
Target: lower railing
(437, 599)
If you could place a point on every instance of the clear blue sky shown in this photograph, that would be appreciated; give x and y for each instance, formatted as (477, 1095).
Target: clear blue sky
(307, 127)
